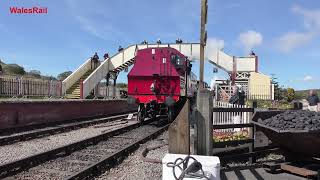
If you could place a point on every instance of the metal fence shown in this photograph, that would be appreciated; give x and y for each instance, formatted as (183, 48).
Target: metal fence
(222, 118)
(108, 93)
(19, 86)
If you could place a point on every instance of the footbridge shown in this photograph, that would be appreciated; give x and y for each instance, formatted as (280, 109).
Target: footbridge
(125, 58)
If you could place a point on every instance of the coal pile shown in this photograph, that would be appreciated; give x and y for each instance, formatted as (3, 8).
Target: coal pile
(294, 120)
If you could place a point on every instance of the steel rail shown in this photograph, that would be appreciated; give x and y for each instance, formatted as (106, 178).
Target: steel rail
(108, 161)
(12, 168)
(30, 127)
(55, 129)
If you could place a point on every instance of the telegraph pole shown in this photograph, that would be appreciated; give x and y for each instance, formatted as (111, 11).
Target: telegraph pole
(203, 130)
(203, 39)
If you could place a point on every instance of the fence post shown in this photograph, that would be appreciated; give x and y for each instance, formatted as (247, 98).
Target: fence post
(0, 86)
(81, 89)
(204, 123)
(49, 87)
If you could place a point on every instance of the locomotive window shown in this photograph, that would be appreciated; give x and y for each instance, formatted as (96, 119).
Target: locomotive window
(173, 58)
(179, 60)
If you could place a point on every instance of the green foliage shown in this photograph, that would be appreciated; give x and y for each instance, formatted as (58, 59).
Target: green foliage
(64, 75)
(13, 69)
(35, 73)
(122, 85)
(271, 104)
(49, 78)
(303, 94)
(278, 92)
(290, 94)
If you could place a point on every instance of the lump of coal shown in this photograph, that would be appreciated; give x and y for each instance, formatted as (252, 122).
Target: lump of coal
(294, 120)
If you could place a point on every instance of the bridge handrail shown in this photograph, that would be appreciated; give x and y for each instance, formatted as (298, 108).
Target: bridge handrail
(109, 64)
(75, 76)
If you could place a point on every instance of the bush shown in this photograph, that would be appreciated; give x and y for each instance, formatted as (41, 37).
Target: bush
(35, 73)
(271, 104)
(64, 75)
(13, 69)
(290, 94)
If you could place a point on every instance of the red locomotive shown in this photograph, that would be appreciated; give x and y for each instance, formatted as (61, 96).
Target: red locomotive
(157, 81)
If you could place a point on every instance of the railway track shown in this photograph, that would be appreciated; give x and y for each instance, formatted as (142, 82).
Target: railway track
(83, 159)
(55, 129)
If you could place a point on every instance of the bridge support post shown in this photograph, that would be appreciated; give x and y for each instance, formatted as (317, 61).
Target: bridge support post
(107, 85)
(114, 86)
(203, 144)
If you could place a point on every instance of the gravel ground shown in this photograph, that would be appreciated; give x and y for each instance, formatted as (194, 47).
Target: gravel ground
(60, 168)
(133, 167)
(19, 150)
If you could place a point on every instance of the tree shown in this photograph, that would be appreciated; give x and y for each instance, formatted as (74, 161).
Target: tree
(122, 85)
(49, 78)
(14, 69)
(35, 73)
(277, 89)
(64, 75)
(290, 94)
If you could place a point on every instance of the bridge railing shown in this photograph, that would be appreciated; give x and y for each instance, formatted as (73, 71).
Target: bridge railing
(109, 64)
(75, 76)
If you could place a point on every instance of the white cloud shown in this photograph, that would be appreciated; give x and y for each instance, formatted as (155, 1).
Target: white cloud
(311, 17)
(250, 39)
(92, 20)
(308, 78)
(213, 43)
(292, 40)
(212, 46)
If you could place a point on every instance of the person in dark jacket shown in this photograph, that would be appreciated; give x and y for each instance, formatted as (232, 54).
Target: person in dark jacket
(120, 49)
(313, 101)
(238, 96)
(95, 60)
(0, 69)
(106, 56)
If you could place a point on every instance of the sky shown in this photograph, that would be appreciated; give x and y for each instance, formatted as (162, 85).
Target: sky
(284, 34)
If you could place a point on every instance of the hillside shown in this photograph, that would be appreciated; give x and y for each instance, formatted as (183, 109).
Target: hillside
(17, 70)
(302, 94)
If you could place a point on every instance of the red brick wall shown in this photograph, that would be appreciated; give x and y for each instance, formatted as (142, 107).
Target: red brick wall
(14, 114)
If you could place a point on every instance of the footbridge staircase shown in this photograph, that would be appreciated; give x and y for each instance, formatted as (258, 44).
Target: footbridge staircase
(125, 58)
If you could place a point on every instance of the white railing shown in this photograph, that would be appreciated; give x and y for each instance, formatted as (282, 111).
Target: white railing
(191, 50)
(230, 117)
(106, 66)
(76, 75)
(252, 92)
